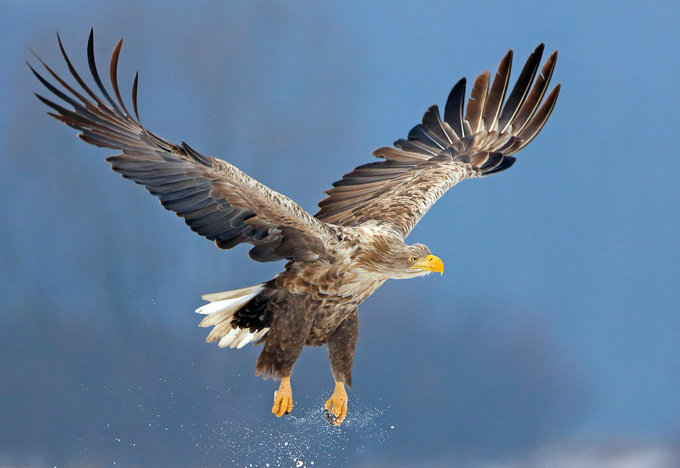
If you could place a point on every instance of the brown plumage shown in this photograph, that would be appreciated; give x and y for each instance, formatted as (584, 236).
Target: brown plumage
(339, 257)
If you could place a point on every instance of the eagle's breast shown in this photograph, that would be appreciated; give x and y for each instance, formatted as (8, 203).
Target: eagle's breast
(334, 288)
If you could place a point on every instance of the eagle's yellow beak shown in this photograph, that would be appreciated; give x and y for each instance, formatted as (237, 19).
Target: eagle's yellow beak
(430, 263)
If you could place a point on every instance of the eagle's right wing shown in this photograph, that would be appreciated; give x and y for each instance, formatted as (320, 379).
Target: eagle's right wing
(439, 153)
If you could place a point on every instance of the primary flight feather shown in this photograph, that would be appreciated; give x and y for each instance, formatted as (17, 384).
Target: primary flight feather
(343, 254)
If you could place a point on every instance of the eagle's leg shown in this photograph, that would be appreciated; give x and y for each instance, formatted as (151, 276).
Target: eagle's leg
(341, 344)
(284, 342)
(283, 398)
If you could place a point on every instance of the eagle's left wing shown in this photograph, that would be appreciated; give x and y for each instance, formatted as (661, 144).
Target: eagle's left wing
(438, 154)
(216, 199)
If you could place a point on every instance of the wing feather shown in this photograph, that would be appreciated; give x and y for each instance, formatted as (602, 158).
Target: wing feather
(475, 107)
(521, 89)
(433, 121)
(494, 100)
(538, 121)
(530, 105)
(453, 112)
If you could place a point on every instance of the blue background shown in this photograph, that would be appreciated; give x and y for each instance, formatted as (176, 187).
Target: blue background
(555, 331)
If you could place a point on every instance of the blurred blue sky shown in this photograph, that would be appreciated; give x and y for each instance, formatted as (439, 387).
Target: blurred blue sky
(558, 318)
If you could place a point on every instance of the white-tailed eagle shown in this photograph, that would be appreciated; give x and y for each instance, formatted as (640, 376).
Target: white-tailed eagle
(343, 254)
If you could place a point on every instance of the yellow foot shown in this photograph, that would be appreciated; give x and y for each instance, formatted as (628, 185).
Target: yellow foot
(283, 398)
(336, 406)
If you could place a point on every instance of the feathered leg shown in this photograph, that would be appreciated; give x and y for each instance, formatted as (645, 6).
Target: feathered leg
(341, 344)
(287, 334)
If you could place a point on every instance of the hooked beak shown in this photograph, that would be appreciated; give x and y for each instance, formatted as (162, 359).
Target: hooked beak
(430, 263)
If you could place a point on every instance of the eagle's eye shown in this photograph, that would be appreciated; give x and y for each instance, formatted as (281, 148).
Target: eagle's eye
(413, 259)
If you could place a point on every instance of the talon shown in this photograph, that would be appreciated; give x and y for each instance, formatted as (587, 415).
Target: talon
(283, 398)
(336, 405)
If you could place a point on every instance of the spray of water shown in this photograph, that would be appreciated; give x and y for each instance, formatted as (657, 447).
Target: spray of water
(304, 438)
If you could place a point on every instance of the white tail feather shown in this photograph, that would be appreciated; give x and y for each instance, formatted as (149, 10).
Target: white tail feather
(228, 339)
(247, 338)
(219, 313)
(231, 294)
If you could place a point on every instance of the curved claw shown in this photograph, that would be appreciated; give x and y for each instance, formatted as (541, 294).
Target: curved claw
(336, 405)
(283, 398)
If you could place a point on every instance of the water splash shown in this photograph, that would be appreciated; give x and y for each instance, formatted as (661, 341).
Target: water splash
(303, 438)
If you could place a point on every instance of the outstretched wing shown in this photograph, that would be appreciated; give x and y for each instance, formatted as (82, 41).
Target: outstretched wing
(216, 200)
(437, 154)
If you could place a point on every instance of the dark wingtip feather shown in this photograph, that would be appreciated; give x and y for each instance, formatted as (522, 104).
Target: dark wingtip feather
(43, 80)
(95, 74)
(540, 118)
(475, 105)
(113, 74)
(506, 163)
(90, 48)
(63, 83)
(75, 74)
(33, 54)
(134, 96)
(51, 87)
(453, 111)
(32, 69)
(496, 94)
(432, 120)
(44, 100)
(494, 159)
(521, 89)
(533, 100)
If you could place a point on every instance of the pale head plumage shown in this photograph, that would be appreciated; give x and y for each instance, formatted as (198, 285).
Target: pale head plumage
(390, 258)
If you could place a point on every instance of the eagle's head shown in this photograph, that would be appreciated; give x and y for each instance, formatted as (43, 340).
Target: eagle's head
(418, 261)
(401, 261)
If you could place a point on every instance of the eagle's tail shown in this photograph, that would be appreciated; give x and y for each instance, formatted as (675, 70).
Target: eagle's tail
(220, 313)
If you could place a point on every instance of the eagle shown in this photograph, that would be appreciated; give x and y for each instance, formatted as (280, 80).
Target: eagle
(338, 257)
